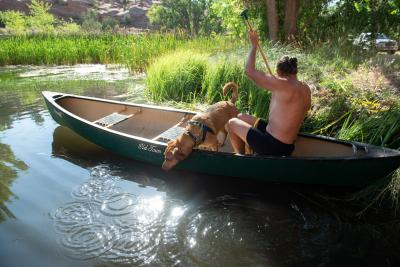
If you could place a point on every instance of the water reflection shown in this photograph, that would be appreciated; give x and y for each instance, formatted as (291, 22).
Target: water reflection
(20, 98)
(9, 167)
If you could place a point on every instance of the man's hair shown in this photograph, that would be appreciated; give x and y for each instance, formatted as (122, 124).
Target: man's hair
(287, 65)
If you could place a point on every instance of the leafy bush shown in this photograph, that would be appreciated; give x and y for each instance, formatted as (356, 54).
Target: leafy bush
(109, 24)
(91, 22)
(14, 21)
(40, 20)
(69, 28)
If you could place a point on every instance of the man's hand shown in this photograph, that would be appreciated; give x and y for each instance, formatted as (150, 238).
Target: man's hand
(253, 38)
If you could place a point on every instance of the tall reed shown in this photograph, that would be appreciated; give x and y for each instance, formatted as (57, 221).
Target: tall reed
(135, 51)
(190, 76)
(177, 76)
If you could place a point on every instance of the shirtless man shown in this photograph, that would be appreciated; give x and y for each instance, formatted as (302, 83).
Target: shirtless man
(290, 101)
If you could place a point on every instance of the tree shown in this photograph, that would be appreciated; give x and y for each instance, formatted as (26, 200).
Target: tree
(291, 15)
(192, 16)
(228, 11)
(40, 20)
(272, 17)
(291, 12)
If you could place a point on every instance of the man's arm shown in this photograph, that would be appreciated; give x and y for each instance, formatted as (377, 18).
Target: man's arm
(262, 79)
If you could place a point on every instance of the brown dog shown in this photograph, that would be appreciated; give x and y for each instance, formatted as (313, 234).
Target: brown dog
(206, 130)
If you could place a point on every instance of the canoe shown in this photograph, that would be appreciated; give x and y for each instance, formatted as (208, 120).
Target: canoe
(140, 132)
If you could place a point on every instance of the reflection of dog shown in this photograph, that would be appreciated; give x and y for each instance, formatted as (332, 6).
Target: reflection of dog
(205, 130)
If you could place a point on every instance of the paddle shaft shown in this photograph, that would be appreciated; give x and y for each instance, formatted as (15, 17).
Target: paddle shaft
(260, 49)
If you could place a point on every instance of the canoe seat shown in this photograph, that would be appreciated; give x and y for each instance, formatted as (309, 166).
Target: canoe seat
(170, 134)
(112, 119)
(173, 132)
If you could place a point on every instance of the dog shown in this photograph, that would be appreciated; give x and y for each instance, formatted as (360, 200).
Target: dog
(207, 130)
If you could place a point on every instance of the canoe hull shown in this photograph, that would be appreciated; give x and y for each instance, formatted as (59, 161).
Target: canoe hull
(328, 171)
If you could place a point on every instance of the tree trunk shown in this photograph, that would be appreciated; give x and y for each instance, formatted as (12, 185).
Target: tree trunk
(291, 14)
(272, 16)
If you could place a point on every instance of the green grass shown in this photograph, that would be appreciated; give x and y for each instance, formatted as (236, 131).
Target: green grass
(135, 51)
(176, 76)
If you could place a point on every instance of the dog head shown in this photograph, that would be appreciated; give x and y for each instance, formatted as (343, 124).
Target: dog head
(177, 150)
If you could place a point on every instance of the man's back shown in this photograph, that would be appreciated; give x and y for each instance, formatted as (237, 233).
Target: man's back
(290, 102)
(288, 108)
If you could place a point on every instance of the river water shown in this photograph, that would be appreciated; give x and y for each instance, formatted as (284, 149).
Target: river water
(67, 202)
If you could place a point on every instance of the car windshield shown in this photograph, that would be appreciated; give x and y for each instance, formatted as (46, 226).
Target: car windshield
(381, 36)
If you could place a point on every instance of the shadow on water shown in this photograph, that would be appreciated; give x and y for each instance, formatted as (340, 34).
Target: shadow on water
(133, 213)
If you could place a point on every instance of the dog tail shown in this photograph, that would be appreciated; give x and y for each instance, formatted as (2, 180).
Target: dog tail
(234, 87)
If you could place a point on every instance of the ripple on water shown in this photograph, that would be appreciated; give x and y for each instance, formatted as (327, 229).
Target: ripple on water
(96, 190)
(90, 241)
(71, 216)
(107, 223)
(99, 187)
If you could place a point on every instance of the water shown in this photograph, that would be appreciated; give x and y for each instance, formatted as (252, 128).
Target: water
(67, 202)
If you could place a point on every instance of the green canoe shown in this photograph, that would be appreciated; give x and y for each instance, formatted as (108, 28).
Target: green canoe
(141, 132)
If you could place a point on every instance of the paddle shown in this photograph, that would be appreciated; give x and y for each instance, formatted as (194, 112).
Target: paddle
(243, 14)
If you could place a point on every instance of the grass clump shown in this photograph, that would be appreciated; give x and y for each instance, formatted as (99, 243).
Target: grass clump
(194, 76)
(251, 99)
(176, 76)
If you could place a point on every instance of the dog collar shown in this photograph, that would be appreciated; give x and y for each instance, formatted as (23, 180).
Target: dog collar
(203, 131)
(192, 136)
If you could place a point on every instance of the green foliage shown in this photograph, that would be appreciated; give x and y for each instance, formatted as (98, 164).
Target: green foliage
(109, 24)
(193, 76)
(177, 76)
(40, 20)
(320, 22)
(379, 128)
(136, 51)
(229, 11)
(91, 23)
(14, 21)
(193, 17)
(251, 98)
(69, 28)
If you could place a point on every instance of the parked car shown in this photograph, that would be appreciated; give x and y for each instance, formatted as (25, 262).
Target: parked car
(377, 42)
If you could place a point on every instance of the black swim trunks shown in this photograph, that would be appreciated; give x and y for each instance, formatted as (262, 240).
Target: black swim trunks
(263, 143)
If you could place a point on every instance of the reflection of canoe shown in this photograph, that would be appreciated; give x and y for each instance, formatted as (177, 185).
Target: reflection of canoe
(141, 131)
